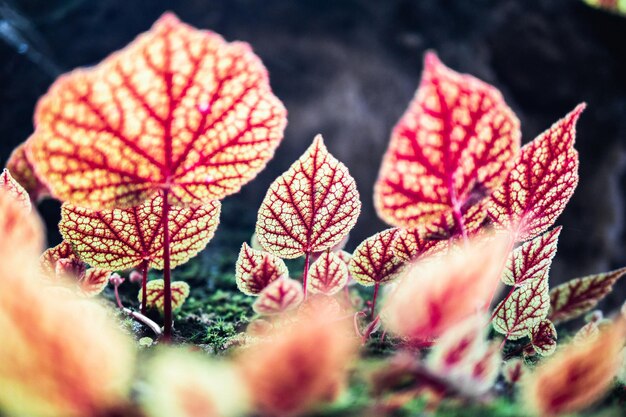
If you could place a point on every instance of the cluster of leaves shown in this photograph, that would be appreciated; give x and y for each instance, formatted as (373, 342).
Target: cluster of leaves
(142, 148)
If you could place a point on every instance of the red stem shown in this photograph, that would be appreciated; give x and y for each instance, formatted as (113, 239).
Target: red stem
(305, 273)
(167, 280)
(144, 285)
(458, 219)
(137, 316)
(376, 288)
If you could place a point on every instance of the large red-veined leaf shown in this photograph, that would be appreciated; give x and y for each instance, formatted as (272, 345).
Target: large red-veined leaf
(155, 292)
(9, 185)
(178, 109)
(465, 358)
(543, 338)
(124, 238)
(541, 182)
(531, 260)
(411, 245)
(450, 149)
(22, 171)
(256, 269)
(441, 291)
(374, 262)
(282, 295)
(576, 376)
(523, 309)
(310, 207)
(579, 295)
(328, 274)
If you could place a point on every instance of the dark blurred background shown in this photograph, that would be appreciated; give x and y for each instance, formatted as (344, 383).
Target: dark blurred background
(348, 68)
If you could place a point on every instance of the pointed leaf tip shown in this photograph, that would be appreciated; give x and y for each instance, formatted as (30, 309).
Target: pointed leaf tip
(256, 269)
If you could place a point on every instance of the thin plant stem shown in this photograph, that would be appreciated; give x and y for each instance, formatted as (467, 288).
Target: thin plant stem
(141, 318)
(305, 273)
(376, 288)
(167, 279)
(144, 285)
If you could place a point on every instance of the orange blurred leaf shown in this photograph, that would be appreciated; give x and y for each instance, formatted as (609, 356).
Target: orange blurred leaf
(309, 208)
(124, 238)
(22, 171)
(576, 376)
(328, 274)
(256, 269)
(155, 292)
(12, 187)
(452, 147)
(541, 182)
(279, 296)
(374, 262)
(178, 109)
(18, 226)
(579, 295)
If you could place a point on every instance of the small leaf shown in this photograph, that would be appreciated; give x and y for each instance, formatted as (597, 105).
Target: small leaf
(124, 238)
(282, 295)
(51, 256)
(328, 274)
(576, 376)
(18, 226)
(178, 109)
(411, 245)
(586, 333)
(541, 182)
(524, 309)
(576, 297)
(94, 281)
(531, 260)
(154, 294)
(9, 185)
(543, 338)
(374, 262)
(256, 269)
(22, 171)
(309, 208)
(457, 136)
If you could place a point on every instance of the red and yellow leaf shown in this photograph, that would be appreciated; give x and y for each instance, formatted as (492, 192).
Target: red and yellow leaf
(577, 296)
(182, 383)
(531, 260)
(328, 274)
(449, 150)
(523, 309)
(541, 182)
(154, 294)
(309, 208)
(94, 281)
(374, 262)
(124, 238)
(543, 338)
(256, 269)
(439, 292)
(51, 256)
(22, 171)
(576, 376)
(82, 362)
(465, 358)
(282, 295)
(178, 109)
(299, 366)
(412, 244)
(12, 187)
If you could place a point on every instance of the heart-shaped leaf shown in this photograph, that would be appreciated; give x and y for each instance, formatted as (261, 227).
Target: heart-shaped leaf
(154, 294)
(178, 109)
(309, 208)
(543, 338)
(256, 269)
(374, 262)
(579, 295)
(124, 238)
(282, 295)
(531, 260)
(541, 183)
(328, 274)
(457, 137)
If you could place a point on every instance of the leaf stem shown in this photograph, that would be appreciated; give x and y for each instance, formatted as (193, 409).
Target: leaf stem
(305, 273)
(458, 219)
(167, 280)
(144, 285)
(376, 288)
